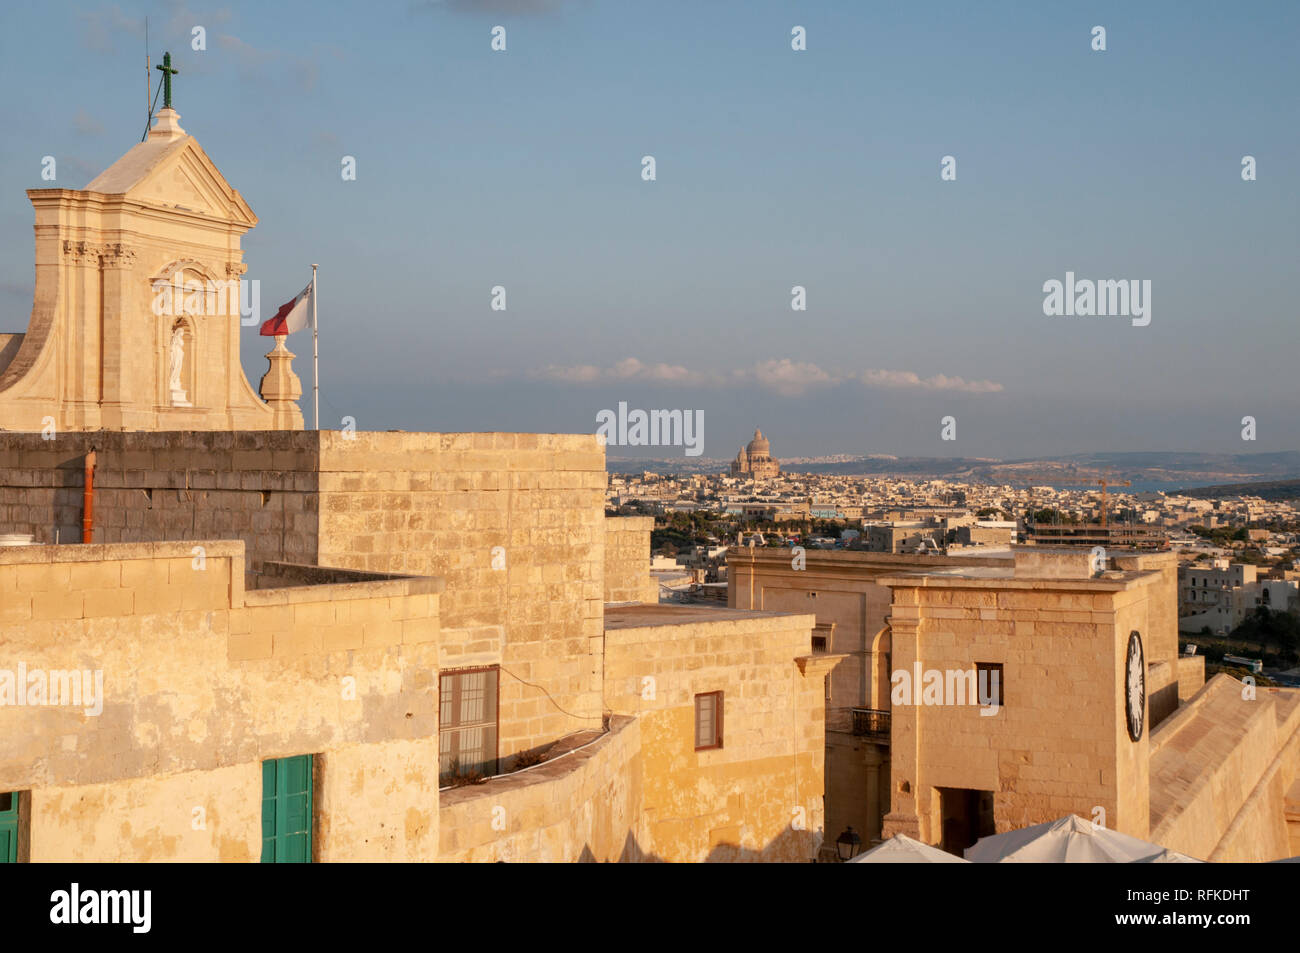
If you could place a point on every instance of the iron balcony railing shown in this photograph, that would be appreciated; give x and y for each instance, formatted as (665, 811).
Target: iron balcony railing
(871, 723)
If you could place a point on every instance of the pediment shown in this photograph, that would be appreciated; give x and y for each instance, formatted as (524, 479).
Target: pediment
(177, 175)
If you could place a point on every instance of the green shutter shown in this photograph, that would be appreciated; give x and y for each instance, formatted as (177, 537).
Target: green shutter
(268, 812)
(287, 810)
(9, 828)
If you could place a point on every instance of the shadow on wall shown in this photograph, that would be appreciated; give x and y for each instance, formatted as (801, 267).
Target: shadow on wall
(634, 853)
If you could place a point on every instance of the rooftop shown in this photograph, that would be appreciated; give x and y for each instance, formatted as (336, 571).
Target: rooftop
(640, 615)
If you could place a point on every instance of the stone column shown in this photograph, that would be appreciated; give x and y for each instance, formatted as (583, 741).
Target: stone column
(906, 803)
(117, 361)
(281, 388)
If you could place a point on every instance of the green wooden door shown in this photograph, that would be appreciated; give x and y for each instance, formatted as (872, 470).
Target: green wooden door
(287, 810)
(9, 828)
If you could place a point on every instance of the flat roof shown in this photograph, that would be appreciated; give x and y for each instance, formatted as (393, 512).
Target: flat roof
(638, 615)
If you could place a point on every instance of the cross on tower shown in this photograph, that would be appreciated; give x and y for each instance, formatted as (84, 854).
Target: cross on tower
(168, 72)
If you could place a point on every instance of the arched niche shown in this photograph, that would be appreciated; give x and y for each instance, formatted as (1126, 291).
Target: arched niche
(185, 295)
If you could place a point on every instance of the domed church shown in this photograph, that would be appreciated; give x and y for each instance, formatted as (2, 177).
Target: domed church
(755, 460)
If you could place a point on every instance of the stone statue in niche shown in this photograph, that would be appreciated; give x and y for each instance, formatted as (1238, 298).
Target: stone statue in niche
(179, 397)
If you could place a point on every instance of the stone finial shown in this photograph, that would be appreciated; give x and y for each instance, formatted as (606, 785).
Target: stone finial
(168, 125)
(281, 388)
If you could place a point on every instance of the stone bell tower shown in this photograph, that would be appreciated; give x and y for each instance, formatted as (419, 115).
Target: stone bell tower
(136, 316)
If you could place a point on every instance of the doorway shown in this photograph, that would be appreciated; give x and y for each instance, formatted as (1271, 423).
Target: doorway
(965, 815)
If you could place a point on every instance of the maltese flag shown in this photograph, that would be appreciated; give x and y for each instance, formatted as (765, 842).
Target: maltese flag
(293, 316)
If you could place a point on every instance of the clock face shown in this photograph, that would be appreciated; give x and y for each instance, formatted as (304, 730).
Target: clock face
(1135, 687)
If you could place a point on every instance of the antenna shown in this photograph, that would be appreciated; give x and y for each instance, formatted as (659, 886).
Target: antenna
(148, 104)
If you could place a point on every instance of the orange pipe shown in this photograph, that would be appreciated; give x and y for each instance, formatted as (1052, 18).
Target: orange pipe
(88, 501)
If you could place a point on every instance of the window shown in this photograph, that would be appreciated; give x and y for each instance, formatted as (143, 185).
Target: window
(467, 723)
(287, 810)
(10, 824)
(708, 721)
(989, 683)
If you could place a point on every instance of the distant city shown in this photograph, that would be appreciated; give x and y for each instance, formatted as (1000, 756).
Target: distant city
(1237, 543)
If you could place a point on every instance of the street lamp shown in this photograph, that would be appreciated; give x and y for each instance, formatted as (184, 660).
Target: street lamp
(848, 844)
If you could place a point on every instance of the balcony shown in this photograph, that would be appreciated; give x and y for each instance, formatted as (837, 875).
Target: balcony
(871, 723)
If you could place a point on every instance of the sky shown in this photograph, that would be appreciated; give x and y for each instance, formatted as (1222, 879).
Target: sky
(774, 168)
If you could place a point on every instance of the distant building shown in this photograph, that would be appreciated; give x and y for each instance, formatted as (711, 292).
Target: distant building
(1092, 534)
(755, 460)
(916, 536)
(1219, 598)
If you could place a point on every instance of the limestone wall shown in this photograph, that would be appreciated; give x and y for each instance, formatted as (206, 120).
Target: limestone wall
(842, 589)
(1162, 691)
(583, 806)
(253, 486)
(1220, 769)
(759, 796)
(1191, 675)
(201, 682)
(1161, 635)
(627, 560)
(1058, 744)
(515, 524)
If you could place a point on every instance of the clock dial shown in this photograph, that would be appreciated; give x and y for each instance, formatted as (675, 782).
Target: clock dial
(1135, 687)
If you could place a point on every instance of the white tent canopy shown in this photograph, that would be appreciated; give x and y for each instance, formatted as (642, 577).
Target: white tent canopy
(901, 849)
(1167, 856)
(1070, 839)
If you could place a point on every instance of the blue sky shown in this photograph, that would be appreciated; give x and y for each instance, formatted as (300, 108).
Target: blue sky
(775, 168)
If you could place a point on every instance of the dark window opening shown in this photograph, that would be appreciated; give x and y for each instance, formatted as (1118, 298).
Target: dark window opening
(989, 683)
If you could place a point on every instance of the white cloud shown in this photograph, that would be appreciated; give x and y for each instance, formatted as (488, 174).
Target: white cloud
(790, 378)
(780, 376)
(901, 380)
(784, 376)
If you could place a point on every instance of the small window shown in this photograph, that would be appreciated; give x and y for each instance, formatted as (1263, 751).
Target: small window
(819, 643)
(708, 721)
(467, 724)
(989, 684)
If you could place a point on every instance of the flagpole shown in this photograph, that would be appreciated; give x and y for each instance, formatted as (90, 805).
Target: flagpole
(315, 353)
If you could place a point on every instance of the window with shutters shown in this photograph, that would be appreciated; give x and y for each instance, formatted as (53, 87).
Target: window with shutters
(708, 721)
(287, 810)
(467, 723)
(11, 820)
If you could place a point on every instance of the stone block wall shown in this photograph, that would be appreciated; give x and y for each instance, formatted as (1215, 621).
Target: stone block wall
(515, 524)
(1058, 744)
(202, 681)
(259, 487)
(1220, 770)
(627, 560)
(759, 796)
(583, 806)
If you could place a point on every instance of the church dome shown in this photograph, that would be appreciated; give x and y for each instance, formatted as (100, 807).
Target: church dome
(759, 445)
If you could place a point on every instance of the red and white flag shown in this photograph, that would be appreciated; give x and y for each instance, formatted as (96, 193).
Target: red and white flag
(293, 316)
